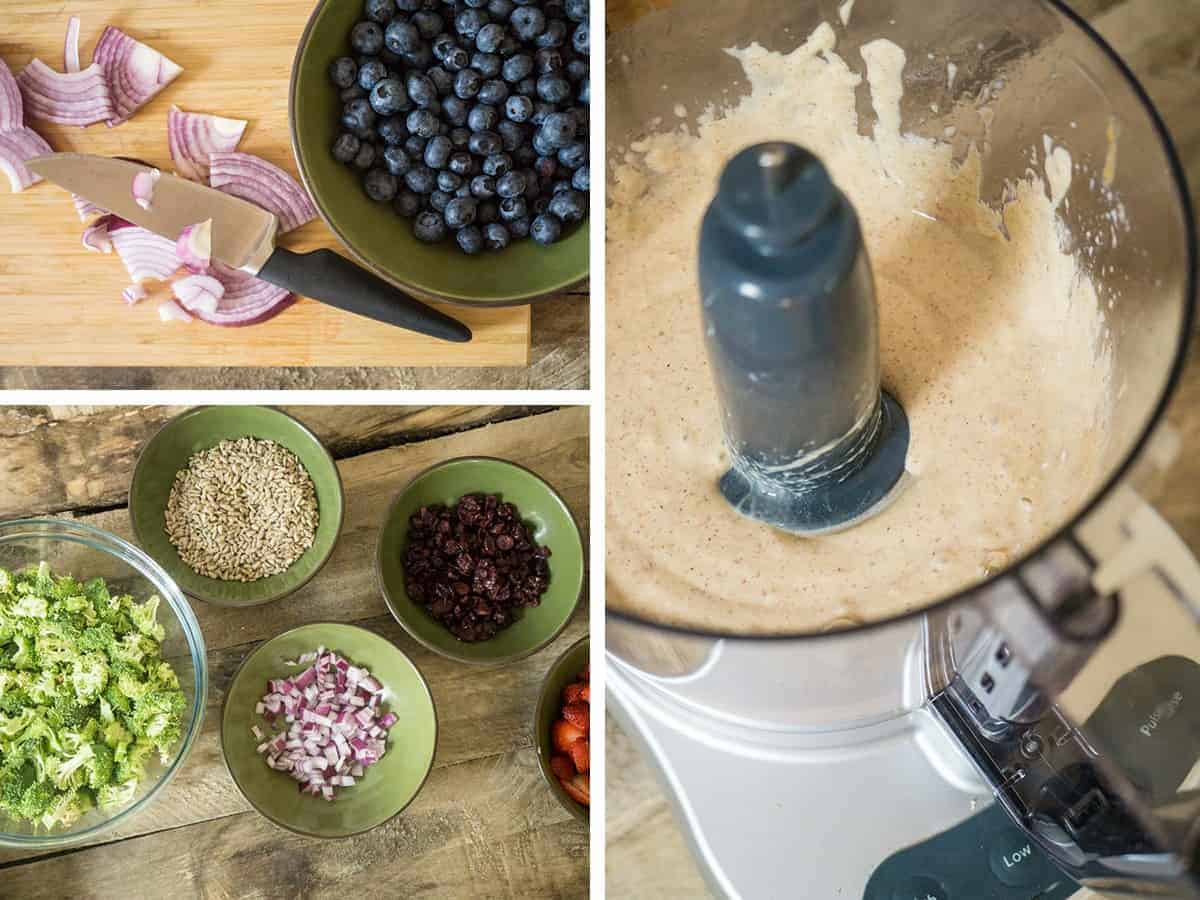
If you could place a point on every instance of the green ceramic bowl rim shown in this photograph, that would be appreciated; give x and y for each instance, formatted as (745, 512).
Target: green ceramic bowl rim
(300, 831)
(341, 493)
(298, 152)
(578, 810)
(387, 597)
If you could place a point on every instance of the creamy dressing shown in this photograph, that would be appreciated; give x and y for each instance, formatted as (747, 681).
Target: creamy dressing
(994, 345)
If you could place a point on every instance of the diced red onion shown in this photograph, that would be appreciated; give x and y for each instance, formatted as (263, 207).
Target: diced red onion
(135, 72)
(198, 294)
(134, 294)
(194, 248)
(95, 236)
(170, 311)
(68, 98)
(143, 187)
(86, 208)
(192, 137)
(16, 147)
(71, 45)
(12, 110)
(146, 255)
(263, 184)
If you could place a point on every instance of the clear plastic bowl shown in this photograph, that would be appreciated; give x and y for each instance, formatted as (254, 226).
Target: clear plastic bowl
(72, 548)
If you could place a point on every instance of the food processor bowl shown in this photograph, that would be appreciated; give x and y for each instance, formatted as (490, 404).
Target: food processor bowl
(1015, 81)
(84, 552)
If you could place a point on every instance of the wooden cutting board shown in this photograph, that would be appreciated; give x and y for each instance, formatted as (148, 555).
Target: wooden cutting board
(61, 304)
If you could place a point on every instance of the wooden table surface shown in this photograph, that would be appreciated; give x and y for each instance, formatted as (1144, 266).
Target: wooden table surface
(1160, 39)
(485, 824)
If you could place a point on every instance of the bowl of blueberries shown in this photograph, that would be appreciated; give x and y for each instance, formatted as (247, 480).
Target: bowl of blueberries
(445, 142)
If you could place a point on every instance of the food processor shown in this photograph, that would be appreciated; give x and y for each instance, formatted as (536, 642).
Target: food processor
(1033, 733)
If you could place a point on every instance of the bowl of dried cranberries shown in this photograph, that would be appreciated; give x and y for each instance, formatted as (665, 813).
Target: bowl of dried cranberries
(562, 729)
(481, 560)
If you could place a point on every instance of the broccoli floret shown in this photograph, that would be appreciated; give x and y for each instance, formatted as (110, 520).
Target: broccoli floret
(71, 773)
(133, 766)
(89, 677)
(157, 716)
(25, 655)
(100, 767)
(133, 648)
(117, 699)
(12, 726)
(117, 794)
(145, 619)
(116, 735)
(66, 809)
(29, 606)
(36, 800)
(97, 639)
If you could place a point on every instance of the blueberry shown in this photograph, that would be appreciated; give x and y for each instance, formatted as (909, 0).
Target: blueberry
(429, 24)
(380, 185)
(461, 213)
(422, 123)
(553, 88)
(493, 92)
(485, 143)
(582, 179)
(555, 34)
(560, 186)
(497, 165)
(409, 5)
(457, 59)
(421, 90)
(489, 38)
(512, 184)
(524, 155)
(513, 208)
(358, 114)
(397, 161)
(421, 58)
(512, 135)
(448, 181)
(518, 108)
(545, 230)
(533, 187)
(461, 163)
(393, 61)
(392, 130)
(351, 93)
(527, 22)
(482, 117)
(421, 180)
(542, 146)
(541, 112)
(365, 158)
(467, 84)
(415, 146)
(366, 37)
(407, 203)
(519, 228)
(429, 227)
(483, 187)
(580, 39)
(388, 97)
(559, 129)
(510, 46)
(517, 68)
(585, 91)
(442, 80)
(470, 22)
(455, 111)
(546, 167)
(379, 10)
(568, 205)
(345, 148)
(460, 137)
(443, 46)
(487, 64)
(577, 70)
(488, 212)
(439, 199)
(576, 10)
(343, 71)
(402, 36)
(548, 61)
(470, 239)
(437, 152)
(495, 236)
(527, 87)
(500, 9)
(573, 155)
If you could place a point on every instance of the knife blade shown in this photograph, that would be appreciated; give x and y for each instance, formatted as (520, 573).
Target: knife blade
(243, 236)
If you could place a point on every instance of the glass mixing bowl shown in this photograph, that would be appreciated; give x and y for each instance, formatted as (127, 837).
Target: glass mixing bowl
(86, 552)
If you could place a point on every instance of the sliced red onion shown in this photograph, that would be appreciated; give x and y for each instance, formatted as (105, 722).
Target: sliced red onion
(170, 311)
(71, 45)
(194, 247)
(263, 184)
(134, 294)
(12, 111)
(95, 236)
(143, 187)
(68, 98)
(16, 147)
(199, 294)
(192, 137)
(146, 255)
(247, 301)
(135, 72)
(86, 209)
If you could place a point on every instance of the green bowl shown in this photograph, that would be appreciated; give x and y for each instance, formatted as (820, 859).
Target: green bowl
(564, 671)
(198, 429)
(551, 524)
(379, 238)
(386, 788)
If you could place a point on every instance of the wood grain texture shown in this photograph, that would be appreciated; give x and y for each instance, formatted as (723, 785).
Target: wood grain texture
(484, 825)
(69, 312)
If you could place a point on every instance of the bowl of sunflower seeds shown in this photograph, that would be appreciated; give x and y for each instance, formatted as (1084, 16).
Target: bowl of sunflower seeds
(241, 505)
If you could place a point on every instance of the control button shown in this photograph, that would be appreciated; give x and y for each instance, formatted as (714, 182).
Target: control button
(920, 888)
(1016, 860)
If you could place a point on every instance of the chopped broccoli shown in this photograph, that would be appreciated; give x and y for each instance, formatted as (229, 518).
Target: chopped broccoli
(86, 699)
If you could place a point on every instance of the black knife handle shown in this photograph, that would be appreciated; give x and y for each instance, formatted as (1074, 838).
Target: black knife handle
(333, 279)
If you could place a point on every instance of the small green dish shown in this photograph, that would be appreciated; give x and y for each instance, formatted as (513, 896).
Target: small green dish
(564, 671)
(550, 522)
(198, 429)
(373, 232)
(386, 788)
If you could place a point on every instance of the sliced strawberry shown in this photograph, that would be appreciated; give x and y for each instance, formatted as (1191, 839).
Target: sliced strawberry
(572, 693)
(564, 734)
(581, 752)
(577, 714)
(562, 767)
(579, 789)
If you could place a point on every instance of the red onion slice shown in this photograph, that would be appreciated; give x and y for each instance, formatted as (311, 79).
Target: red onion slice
(146, 255)
(247, 301)
(12, 113)
(68, 98)
(143, 187)
(199, 294)
(71, 45)
(263, 184)
(135, 72)
(192, 137)
(86, 209)
(135, 293)
(194, 247)
(16, 147)
(170, 311)
(96, 238)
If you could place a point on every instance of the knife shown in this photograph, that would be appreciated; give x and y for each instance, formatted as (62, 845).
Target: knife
(243, 236)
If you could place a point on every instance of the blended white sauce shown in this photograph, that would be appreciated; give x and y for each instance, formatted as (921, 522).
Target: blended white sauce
(995, 346)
